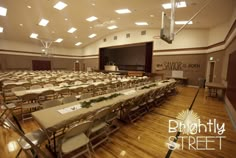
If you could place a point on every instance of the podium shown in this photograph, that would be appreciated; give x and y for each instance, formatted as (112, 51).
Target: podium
(110, 68)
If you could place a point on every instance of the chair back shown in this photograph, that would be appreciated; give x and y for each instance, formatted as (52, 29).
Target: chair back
(47, 92)
(69, 99)
(50, 103)
(29, 97)
(85, 96)
(35, 86)
(20, 88)
(48, 85)
(101, 114)
(77, 129)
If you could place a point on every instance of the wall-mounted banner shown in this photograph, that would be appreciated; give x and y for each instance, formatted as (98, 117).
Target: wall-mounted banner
(177, 66)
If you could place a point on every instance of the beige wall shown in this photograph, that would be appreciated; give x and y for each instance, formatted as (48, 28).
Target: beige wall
(193, 66)
(200, 40)
(18, 62)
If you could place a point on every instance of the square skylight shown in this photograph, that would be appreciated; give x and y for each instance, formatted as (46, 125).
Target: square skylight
(34, 35)
(59, 40)
(79, 43)
(60, 5)
(141, 23)
(183, 22)
(92, 35)
(1, 29)
(178, 5)
(43, 22)
(3, 11)
(123, 11)
(72, 30)
(92, 18)
(112, 27)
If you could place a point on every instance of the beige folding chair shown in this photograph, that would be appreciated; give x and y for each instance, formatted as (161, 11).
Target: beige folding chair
(99, 130)
(62, 93)
(75, 142)
(29, 142)
(47, 95)
(69, 99)
(29, 104)
(85, 96)
(50, 103)
(35, 86)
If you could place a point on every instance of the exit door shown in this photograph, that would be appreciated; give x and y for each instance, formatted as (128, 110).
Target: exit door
(212, 70)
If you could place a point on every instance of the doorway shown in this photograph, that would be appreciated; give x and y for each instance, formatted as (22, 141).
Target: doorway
(211, 71)
(76, 66)
(41, 65)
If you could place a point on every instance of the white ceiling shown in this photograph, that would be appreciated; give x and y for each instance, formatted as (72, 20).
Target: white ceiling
(77, 11)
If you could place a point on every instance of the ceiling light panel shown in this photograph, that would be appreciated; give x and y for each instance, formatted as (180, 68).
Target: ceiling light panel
(178, 5)
(59, 40)
(34, 35)
(112, 27)
(92, 35)
(141, 23)
(79, 43)
(3, 11)
(1, 29)
(43, 22)
(123, 11)
(92, 18)
(183, 22)
(72, 30)
(60, 5)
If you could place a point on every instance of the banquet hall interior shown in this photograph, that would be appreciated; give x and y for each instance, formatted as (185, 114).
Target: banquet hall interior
(118, 78)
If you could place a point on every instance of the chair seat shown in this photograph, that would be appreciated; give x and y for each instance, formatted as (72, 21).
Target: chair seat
(74, 143)
(98, 126)
(36, 137)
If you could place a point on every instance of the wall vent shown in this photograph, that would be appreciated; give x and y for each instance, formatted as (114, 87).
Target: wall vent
(128, 35)
(115, 37)
(143, 32)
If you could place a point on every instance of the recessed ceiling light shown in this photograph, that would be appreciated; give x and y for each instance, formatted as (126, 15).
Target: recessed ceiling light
(60, 5)
(79, 43)
(152, 16)
(92, 35)
(76, 37)
(53, 31)
(3, 11)
(141, 23)
(43, 22)
(34, 35)
(28, 6)
(59, 40)
(178, 5)
(66, 19)
(1, 29)
(123, 11)
(112, 27)
(71, 30)
(183, 22)
(92, 18)
(21, 25)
